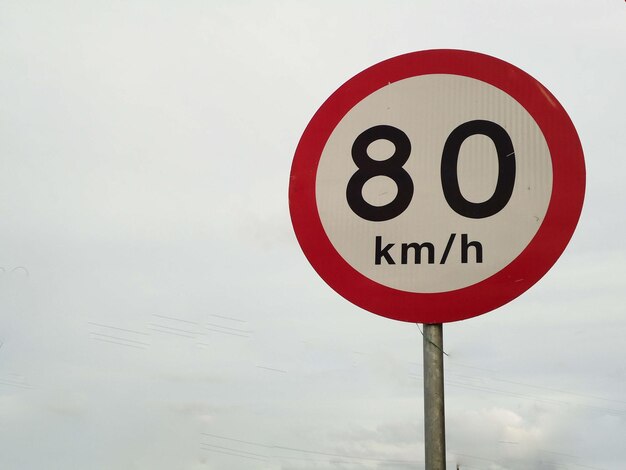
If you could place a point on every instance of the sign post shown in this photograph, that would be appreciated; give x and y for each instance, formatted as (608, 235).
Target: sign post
(434, 413)
(434, 187)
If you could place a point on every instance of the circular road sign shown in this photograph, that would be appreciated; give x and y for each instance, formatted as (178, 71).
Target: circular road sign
(436, 186)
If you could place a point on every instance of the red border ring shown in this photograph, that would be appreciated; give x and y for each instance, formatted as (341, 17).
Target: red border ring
(568, 190)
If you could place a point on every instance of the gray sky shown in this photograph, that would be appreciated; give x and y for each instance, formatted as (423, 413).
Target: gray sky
(156, 311)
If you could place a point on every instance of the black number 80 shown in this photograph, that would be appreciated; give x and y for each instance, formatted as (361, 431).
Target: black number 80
(393, 169)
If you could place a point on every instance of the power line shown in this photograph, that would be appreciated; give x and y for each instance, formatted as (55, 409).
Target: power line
(313, 452)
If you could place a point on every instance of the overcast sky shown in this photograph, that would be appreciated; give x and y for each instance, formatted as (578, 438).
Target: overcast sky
(156, 311)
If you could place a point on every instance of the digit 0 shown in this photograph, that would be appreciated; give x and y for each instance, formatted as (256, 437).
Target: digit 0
(506, 170)
(369, 168)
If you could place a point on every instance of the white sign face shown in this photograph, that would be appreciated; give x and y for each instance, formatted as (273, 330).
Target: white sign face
(427, 109)
(436, 186)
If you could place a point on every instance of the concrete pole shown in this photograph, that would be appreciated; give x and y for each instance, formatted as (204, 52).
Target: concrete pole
(434, 415)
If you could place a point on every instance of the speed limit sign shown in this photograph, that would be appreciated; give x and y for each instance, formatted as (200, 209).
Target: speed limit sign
(436, 186)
